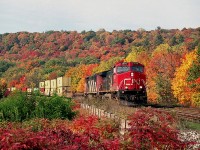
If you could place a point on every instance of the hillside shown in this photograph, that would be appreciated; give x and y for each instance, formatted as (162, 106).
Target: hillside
(27, 58)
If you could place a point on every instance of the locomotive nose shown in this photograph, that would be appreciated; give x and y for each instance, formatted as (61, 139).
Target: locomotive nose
(132, 74)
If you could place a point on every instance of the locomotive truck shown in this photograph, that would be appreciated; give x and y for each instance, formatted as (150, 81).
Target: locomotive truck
(125, 81)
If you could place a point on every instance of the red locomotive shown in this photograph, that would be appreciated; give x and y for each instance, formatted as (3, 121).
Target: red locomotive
(125, 81)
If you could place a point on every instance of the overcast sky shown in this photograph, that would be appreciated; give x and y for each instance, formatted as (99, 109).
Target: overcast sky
(79, 15)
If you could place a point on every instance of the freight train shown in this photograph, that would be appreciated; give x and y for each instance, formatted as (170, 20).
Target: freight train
(125, 81)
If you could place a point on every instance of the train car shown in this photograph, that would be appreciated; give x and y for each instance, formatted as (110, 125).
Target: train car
(53, 86)
(29, 90)
(63, 86)
(47, 86)
(42, 87)
(13, 89)
(125, 81)
(24, 89)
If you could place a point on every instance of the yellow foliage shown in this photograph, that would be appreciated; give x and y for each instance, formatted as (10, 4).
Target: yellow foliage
(81, 85)
(151, 92)
(180, 85)
(132, 56)
(138, 54)
(162, 48)
(106, 65)
(196, 99)
(78, 75)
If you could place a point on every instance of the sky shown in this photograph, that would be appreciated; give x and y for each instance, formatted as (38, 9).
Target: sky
(79, 15)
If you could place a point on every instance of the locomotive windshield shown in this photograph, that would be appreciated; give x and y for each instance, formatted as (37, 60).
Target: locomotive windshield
(137, 68)
(122, 69)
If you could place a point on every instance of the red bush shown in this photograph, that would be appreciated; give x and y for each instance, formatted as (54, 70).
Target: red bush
(149, 129)
(102, 133)
(85, 133)
(46, 139)
(153, 129)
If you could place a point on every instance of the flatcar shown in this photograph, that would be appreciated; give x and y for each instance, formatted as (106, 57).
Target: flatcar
(125, 81)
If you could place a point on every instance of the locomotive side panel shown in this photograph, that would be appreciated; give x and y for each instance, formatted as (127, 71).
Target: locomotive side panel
(107, 81)
(91, 84)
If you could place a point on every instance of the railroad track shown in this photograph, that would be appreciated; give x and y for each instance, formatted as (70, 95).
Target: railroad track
(191, 114)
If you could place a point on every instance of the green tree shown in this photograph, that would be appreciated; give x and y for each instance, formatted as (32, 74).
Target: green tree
(194, 71)
(3, 88)
(180, 39)
(163, 89)
(4, 65)
(118, 40)
(158, 40)
(194, 79)
(89, 35)
(173, 41)
(146, 42)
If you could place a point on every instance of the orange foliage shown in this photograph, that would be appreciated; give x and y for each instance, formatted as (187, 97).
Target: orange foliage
(78, 75)
(180, 86)
(163, 63)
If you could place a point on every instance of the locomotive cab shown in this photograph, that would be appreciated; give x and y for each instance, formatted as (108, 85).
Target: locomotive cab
(129, 81)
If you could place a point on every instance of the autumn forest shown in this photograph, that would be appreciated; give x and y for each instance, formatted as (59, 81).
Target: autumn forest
(171, 59)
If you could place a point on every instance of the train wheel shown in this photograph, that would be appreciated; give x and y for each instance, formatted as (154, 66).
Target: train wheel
(144, 100)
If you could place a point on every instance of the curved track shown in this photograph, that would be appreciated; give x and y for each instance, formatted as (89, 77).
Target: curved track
(191, 114)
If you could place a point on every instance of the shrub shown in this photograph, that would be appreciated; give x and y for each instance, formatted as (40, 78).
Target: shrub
(102, 133)
(56, 134)
(54, 107)
(16, 107)
(45, 139)
(19, 107)
(153, 129)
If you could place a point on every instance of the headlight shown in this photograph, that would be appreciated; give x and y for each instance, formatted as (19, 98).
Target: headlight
(140, 87)
(132, 74)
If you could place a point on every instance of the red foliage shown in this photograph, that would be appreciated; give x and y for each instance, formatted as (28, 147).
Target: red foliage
(53, 75)
(149, 129)
(56, 135)
(101, 133)
(13, 83)
(198, 80)
(46, 139)
(153, 129)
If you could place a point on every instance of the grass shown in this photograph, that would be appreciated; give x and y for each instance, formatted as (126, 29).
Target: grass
(188, 125)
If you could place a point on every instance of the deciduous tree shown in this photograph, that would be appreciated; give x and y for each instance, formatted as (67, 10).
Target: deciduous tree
(180, 86)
